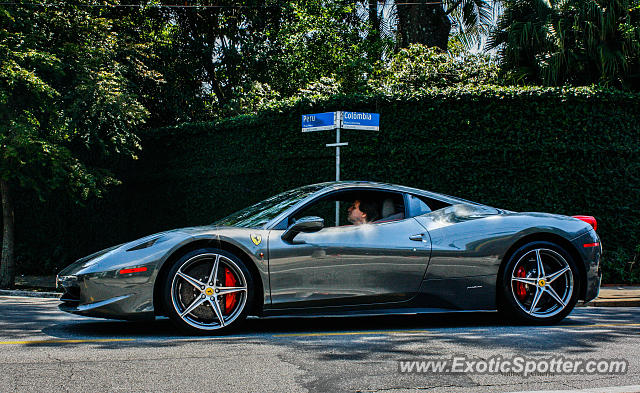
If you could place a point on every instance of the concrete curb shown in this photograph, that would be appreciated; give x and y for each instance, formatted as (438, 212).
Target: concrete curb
(614, 303)
(8, 292)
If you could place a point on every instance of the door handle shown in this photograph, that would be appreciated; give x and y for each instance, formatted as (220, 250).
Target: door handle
(418, 238)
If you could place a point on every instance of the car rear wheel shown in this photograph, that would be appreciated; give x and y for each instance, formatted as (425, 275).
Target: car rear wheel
(208, 291)
(540, 284)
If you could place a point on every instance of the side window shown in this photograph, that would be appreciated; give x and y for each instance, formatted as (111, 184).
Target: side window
(355, 207)
(326, 209)
(419, 205)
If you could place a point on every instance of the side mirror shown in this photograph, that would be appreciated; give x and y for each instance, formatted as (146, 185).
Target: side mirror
(305, 224)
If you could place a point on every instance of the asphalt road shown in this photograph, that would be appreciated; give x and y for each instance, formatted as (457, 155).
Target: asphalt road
(43, 349)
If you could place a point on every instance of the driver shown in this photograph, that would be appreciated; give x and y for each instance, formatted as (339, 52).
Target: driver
(362, 211)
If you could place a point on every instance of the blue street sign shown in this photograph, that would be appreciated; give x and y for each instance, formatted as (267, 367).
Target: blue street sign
(319, 121)
(361, 121)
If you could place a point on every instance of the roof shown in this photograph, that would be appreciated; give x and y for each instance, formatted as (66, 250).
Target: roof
(336, 185)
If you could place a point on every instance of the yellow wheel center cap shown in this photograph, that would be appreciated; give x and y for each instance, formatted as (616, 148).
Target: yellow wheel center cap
(542, 283)
(209, 291)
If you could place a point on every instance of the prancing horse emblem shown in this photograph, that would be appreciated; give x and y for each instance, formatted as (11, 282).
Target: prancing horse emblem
(256, 239)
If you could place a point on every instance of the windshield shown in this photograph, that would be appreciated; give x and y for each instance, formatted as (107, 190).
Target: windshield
(258, 215)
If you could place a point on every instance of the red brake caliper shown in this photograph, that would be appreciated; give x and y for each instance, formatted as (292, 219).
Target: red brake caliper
(230, 298)
(521, 290)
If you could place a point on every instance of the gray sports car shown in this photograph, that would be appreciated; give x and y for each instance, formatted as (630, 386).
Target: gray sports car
(345, 248)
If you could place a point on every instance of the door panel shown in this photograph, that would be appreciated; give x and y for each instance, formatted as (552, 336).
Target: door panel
(355, 264)
(464, 244)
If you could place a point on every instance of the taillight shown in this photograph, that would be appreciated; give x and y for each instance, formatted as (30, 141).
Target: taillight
(589, 220)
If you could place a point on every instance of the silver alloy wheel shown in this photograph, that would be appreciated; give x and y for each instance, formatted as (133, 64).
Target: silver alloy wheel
(198, 295)
(548, 282)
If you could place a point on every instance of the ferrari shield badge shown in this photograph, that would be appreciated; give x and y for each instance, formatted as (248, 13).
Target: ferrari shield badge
(256, 239)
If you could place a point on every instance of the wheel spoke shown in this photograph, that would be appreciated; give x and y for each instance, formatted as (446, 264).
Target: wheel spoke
(214, 270)
(216, 308)
(191, 280)
(553, 294)
(540, 265)
(226, 290)
(525, 280)
(535, 300)
(193, 306)
(557, 274)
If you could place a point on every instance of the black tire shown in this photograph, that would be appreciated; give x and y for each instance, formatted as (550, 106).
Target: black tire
(556, 299)
(188, 286)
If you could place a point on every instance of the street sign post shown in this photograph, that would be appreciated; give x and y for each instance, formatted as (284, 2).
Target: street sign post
(336, 121)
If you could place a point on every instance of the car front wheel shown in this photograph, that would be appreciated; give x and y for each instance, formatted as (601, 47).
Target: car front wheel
(208, 291)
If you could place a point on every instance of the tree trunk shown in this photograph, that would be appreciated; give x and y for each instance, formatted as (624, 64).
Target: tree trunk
(373, 15)
(192, 19)
(374, 32)
(425, 24)
(7, 263)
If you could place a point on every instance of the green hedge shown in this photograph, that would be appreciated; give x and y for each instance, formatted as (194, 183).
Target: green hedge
(567, 151)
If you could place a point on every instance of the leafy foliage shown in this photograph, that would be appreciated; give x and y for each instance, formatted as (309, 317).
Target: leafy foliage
(239, 56)
(318, 39)
(577, 42)
(432, 23)
(472, 19)
(409, 72)
(66, 104)
(418, 67)
(212, 58)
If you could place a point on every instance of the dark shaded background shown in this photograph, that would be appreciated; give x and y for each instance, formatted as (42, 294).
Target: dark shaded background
(567, 151)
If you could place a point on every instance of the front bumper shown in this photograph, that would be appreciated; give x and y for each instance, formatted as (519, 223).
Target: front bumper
(105, 295)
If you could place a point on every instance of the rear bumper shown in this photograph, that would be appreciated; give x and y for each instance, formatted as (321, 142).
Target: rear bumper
(590, 250)
(593, 288)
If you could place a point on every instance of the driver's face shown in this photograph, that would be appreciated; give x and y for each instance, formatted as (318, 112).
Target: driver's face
(356, 216)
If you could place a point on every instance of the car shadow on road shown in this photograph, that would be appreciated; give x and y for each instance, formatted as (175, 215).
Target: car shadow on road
(162, 327)
(457, 323)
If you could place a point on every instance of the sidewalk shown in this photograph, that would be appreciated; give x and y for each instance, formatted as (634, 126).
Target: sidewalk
(34, 286)
(45, 286)
(44, 283)
(617, 296)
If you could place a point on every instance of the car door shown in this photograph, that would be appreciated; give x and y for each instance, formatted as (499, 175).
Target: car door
(464, 256)
(349, 264)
